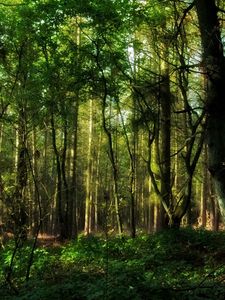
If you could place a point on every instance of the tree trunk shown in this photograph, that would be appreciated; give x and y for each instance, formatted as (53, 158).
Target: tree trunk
(97, 183)
(214, 67)
(113, 164)
(205, 190)
(73, 198)
(165, 127)
(59, 204)
(89, 194)
(65, 181)
(131, 148)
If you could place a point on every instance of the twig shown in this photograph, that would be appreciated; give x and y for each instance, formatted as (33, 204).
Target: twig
(220, 10)
(185, 12)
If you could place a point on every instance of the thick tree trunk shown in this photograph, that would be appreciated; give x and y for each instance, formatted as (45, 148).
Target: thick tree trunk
(214, 67)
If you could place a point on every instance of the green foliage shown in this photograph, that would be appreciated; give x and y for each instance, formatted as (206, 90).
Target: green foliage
(183, 264)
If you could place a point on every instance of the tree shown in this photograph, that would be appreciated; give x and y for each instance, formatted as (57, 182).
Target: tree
(214, 67)
(107, 100)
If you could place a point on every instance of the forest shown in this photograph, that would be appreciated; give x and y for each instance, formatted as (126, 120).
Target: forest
(112, 149)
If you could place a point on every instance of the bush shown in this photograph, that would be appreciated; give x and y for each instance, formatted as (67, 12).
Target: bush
(184, 264)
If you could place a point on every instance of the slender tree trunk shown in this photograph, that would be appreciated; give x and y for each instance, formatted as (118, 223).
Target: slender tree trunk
(47, 220)
(20, 214)
(73, 205)
(110, 143)
(151, 210)
(64, 180)
(113, 164)
(205, 190)
(165, 102)
(97, 183)
(34, 220)
(73, 199)
(59, 205)
(89, 195)
(131, 147)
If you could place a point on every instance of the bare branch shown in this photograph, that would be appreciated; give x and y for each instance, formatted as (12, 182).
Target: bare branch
(220, 10)
(185, 12)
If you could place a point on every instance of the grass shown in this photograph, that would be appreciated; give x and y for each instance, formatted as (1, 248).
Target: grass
(185, 264)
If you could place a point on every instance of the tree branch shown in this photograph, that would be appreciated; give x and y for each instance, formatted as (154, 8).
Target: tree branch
(221, 10)
(185, 12)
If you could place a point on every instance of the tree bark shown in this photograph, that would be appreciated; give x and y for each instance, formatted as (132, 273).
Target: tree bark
(214, 67)
(165, 161)
(60, 217)
(131, 148)
(89, 175)
(73, 199)
(67, 224)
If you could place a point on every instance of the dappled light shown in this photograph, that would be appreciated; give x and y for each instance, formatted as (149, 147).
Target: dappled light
(112, 149)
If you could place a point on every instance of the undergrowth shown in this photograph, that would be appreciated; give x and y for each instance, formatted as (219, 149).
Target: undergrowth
(184, 264)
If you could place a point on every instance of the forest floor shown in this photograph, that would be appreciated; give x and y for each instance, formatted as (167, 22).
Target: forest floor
(184, 264)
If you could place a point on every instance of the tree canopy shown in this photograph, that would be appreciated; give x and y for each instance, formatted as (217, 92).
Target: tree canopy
(105, 111)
